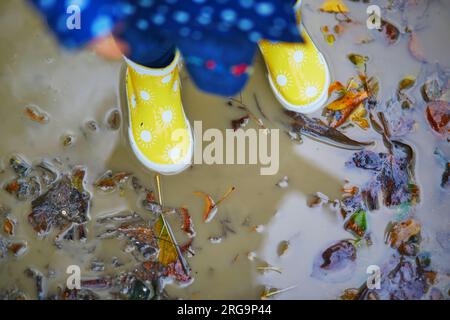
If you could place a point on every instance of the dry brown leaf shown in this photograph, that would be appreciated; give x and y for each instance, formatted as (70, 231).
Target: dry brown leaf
(401, 232)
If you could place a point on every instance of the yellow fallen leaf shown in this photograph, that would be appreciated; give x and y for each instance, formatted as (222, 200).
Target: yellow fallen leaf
(167, 250)
(359, 117)
(349, 99)
(336, 6)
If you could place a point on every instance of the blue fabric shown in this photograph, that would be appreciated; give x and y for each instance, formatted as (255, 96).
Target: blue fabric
(217, 38)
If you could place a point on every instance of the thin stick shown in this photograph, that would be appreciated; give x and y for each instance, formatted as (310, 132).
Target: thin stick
(184, 264)
(225, 196)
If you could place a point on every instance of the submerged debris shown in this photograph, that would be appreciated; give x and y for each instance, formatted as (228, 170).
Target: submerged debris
(336, 263)
(20, 166)
(113, 119)
(39, 280)
(392, 175)
(402, 278)
(64, 203)
(109, 181)
(240, 123)
(316, 129)
(35, 114)
(283, 247)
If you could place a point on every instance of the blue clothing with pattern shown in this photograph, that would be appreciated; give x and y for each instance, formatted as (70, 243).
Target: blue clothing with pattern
(217, 38)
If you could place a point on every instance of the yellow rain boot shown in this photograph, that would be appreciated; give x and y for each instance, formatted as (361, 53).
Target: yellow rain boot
(298, 73)
(159, 132)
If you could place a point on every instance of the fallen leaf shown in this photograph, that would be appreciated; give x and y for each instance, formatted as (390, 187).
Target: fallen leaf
(438, 116)
(357, 223)
(187, 222)
(36, 114)
(349, 100)
(390, 32)
(334, 6)
(336, 86)
(167, 250)
(109, 181)
(210, 208)
(336, 263)
(358, 117)
(401, 232)
(357, 59)
(406, 83)
(283, 246)
(8, 226)
(240, 123)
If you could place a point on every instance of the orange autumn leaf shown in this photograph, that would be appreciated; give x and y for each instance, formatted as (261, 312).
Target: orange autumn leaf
(210, 208)
(335, 86)
(187, 223)
(8, 226)
(334, 6)
(36, 115)
(350, 99)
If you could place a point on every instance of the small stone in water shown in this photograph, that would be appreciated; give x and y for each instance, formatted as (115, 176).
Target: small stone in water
(20, 166)
(283, 183)
(68, 140)
(141, 291)
(92, 125)
(97, 266)
(215, 240)
(251, 256)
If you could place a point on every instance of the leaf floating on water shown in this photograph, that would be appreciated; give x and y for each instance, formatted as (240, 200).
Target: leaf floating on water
(390, 32)
(283, 246)
(350, 294)
(35, 114)
(357, 223)
(401, 232)
(18, 248)
(358, 117)
(210, 208)
(357, 59)
(187, 226)
(109, 181)
(316, 200)
(240, 123)
(334, 6)
(438, 116)
(406, 83)
(336, 263)
(8, 226)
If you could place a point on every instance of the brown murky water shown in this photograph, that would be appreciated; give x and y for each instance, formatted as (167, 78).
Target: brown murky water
(76, 88)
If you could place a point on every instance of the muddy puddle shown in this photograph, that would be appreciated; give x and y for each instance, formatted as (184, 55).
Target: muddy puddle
(265, 237)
